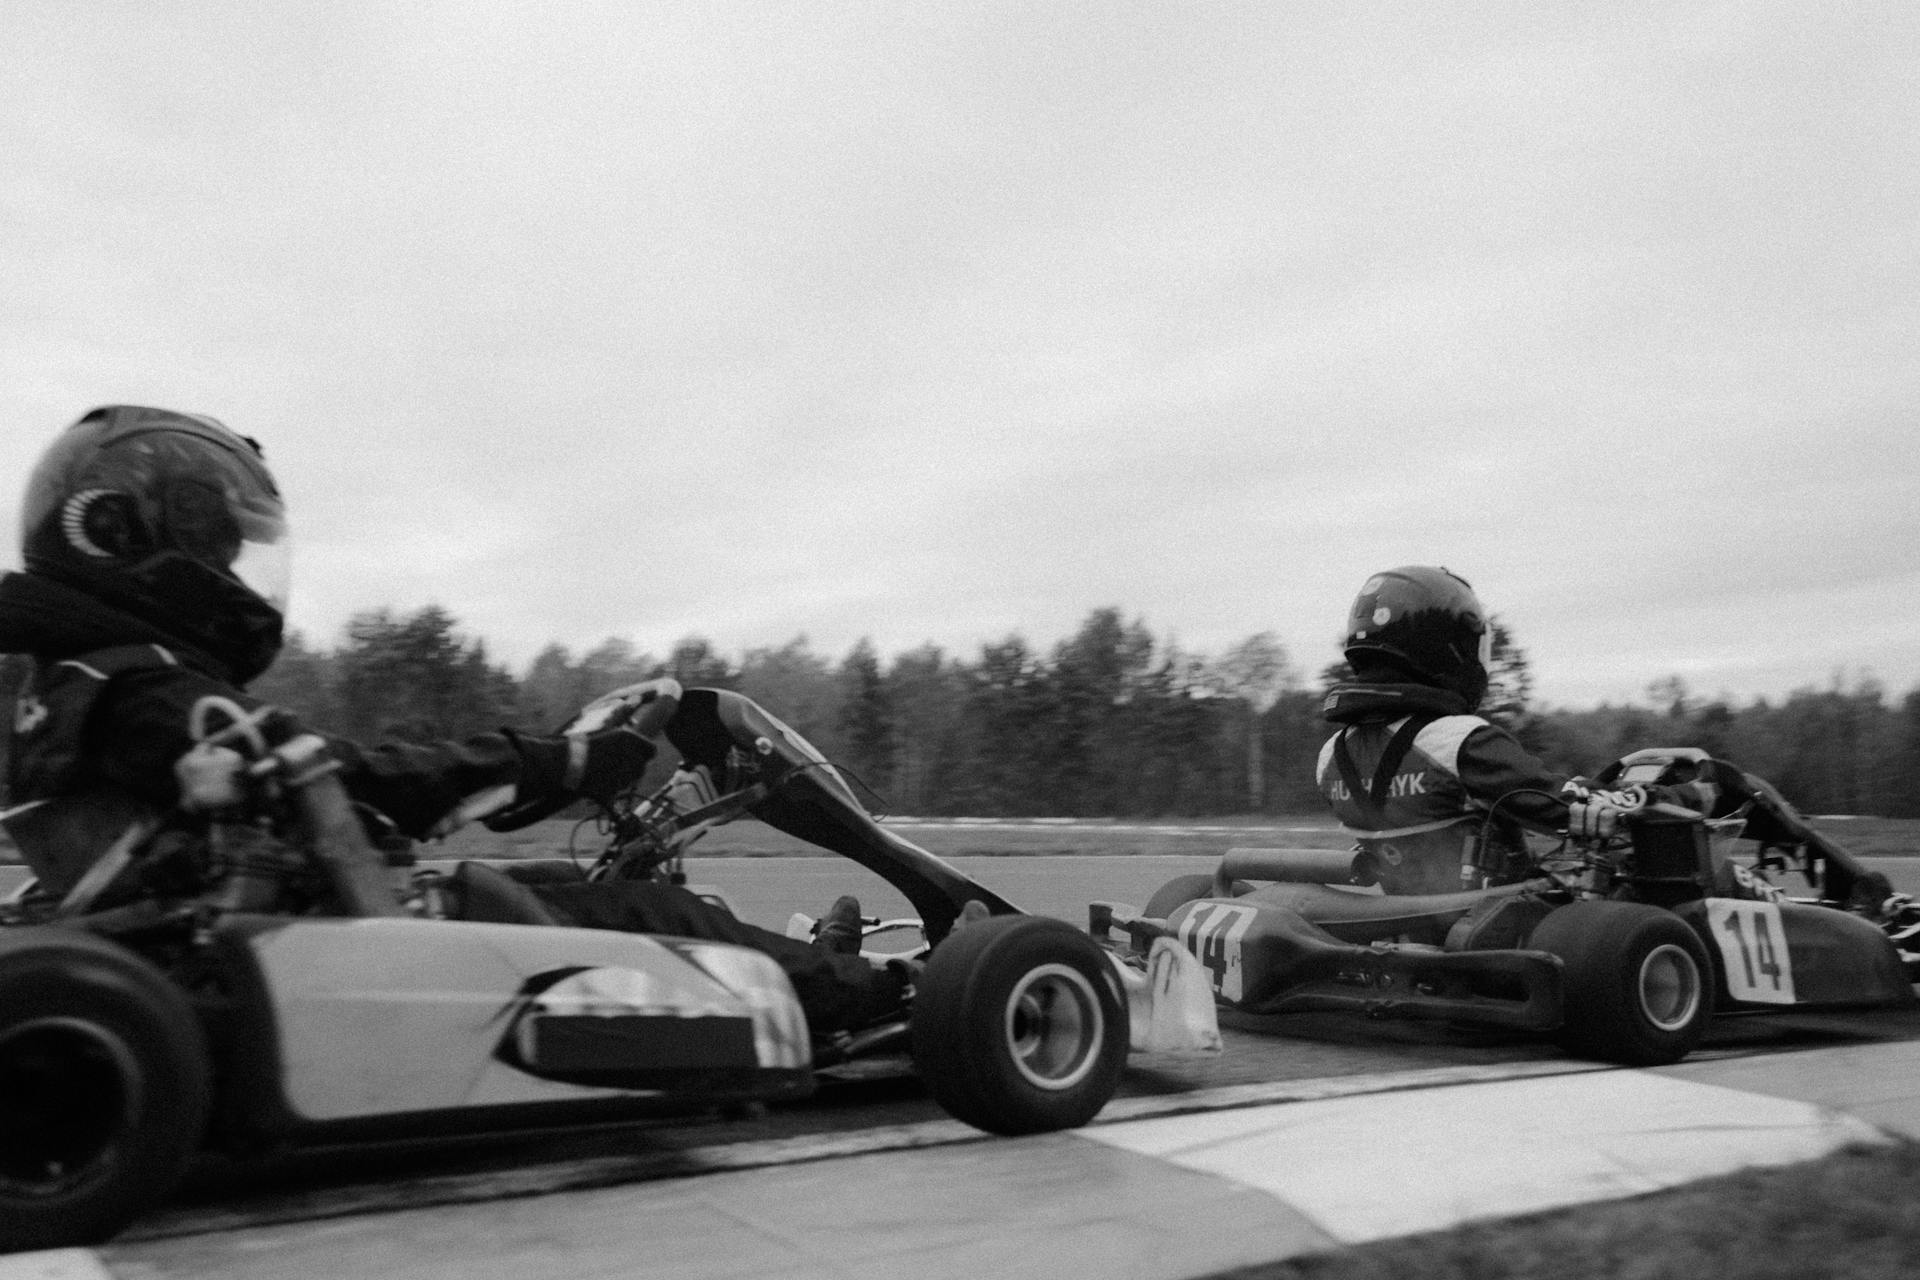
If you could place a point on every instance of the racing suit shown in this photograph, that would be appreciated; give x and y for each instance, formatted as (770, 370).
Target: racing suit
(1413, 774)
(105, 715)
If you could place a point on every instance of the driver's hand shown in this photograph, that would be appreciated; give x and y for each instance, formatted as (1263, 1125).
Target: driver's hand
(1597, 814)
(603, 764)
(691, 788)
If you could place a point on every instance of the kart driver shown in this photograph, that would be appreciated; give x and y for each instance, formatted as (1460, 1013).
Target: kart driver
(156, 552)
(1413, 772)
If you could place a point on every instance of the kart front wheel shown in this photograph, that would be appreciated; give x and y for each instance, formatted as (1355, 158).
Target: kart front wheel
(1638, 983)
(1019, 1026)
(105, 1077)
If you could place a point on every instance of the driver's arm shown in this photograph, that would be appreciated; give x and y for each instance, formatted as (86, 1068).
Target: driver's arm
(143, 726)
(419, 785)
(1494, 765)
(1494, 768)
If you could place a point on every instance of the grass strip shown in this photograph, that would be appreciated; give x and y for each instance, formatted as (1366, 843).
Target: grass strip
(1854, 1214)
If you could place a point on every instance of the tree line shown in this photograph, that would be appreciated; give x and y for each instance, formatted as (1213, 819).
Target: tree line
(1110, 722)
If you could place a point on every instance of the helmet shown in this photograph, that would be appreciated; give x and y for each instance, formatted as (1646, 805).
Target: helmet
(169, 517)
(1427, 622)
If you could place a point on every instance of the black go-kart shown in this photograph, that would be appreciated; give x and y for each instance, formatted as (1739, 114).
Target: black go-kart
(1623, 948)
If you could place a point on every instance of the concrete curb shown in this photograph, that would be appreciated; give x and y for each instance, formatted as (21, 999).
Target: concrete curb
(1161, 1188)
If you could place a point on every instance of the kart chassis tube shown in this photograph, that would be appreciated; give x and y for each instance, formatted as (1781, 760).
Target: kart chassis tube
(1506, 988)
(1293, 866)
(1518, 989)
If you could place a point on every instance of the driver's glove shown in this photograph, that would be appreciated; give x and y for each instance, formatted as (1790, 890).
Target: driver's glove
(1595, 815)
(612, 761)
(597, 765)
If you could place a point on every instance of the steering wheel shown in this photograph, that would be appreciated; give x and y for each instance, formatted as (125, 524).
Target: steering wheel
(644, 707)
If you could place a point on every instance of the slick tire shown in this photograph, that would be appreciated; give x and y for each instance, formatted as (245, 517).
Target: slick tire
(1019, 1026)
(1638, 982)
(105, 1076)
(1181, 890)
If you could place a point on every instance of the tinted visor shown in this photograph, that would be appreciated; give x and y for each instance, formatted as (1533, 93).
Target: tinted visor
(220, 508)
(266, 569)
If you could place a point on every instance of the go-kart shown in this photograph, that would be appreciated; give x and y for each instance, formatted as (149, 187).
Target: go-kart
(1623, 947)
(1017, 1024)
(270, 981)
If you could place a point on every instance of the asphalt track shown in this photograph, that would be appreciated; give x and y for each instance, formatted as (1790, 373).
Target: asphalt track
(1291, 1059)
(1272, 1059)
(1184, 1174)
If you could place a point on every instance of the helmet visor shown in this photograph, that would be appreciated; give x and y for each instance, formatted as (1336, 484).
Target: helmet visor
(266, 568)
(225, 513)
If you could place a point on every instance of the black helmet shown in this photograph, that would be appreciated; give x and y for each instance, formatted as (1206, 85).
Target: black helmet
(169, 517)
(1426, 622)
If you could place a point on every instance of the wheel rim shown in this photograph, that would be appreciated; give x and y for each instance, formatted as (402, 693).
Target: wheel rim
(1669, 987)
(1054, 1026)
(72, 1089)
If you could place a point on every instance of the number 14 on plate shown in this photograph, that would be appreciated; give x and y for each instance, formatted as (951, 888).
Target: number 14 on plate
(1753, 948)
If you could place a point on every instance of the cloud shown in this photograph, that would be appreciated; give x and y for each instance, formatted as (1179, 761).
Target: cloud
(934, 324)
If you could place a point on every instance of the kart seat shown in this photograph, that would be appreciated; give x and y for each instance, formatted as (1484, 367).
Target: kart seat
(487, 894)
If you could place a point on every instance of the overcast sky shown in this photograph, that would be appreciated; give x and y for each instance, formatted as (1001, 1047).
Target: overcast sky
(936, 322)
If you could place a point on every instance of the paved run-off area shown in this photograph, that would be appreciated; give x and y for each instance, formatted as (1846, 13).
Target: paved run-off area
(1260, 1177)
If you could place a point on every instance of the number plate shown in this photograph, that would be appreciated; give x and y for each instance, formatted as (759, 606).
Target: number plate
(1753, 947)
(1212, 932)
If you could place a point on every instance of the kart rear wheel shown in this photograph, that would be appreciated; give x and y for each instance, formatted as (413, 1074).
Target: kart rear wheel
(1181, 890)
(1019, 1025)
(1639, 985)
(106, 1082)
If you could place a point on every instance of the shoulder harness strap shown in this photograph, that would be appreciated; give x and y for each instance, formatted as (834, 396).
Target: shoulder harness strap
(1372, 798)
